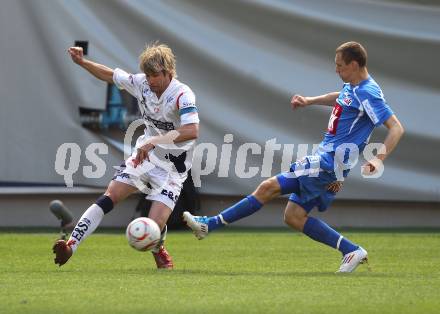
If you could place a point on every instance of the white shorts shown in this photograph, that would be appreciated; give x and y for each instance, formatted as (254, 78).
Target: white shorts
(159, 184)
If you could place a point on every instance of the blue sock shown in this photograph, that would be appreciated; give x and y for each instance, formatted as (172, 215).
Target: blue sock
(321, 232)
(243, 208)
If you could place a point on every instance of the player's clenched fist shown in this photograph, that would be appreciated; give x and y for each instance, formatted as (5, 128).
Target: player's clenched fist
(298, 101)
(77, 54)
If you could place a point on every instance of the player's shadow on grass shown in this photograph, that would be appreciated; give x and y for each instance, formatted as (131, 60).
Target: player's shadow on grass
(280, 273)
(230, 273)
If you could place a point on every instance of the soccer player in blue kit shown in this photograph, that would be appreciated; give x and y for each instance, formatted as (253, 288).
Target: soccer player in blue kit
(313, 181)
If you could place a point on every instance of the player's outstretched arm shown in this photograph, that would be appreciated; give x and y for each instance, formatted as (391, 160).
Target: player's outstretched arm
(329, 99)
(395, 132)
(99, 71)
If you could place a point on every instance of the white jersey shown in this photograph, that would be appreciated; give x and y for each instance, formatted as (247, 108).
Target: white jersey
(175, 107)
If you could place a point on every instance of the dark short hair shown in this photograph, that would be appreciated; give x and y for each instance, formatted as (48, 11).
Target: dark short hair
(353, 51)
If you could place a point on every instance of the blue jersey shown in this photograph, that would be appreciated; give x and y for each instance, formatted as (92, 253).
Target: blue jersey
(357, 111)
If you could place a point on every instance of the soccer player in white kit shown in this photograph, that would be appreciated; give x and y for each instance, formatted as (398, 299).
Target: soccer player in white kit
(163, 155)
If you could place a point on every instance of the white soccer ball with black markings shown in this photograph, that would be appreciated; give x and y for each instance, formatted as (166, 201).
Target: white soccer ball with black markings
(143, 234)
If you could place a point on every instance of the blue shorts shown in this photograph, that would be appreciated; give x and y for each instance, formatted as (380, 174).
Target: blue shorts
(322, 203)
(308, 190)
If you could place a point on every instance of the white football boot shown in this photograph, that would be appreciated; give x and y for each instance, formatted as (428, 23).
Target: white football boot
(352, 260)
(198, 224)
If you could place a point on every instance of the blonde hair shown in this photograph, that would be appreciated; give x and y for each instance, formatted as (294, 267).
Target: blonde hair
(157, 57)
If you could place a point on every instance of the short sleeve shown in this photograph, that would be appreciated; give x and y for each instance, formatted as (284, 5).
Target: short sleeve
(186, 104)
(374, 105)
(127, 81)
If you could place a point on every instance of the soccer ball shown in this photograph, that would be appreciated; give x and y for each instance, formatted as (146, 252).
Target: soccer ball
(143, 234)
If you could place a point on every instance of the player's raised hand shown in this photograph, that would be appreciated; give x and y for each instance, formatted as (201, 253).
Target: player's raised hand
(298, 101)
(369, 168)
(77, 54)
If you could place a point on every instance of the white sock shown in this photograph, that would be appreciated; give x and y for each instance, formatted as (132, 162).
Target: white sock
(88, 223)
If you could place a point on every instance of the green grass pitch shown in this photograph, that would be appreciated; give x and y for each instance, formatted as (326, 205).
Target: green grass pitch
(233, 271)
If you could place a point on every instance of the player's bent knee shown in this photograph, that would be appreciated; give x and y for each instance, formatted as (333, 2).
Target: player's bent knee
(268, 189)
(113, 196)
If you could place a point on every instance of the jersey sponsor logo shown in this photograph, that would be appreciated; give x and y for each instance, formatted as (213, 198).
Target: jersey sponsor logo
(162, 125)
(170, 195)
(146, 91)
(81, 229)
(121, 176)
(187, 105)
(347, 99)
(334, 119)
(170, 99)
